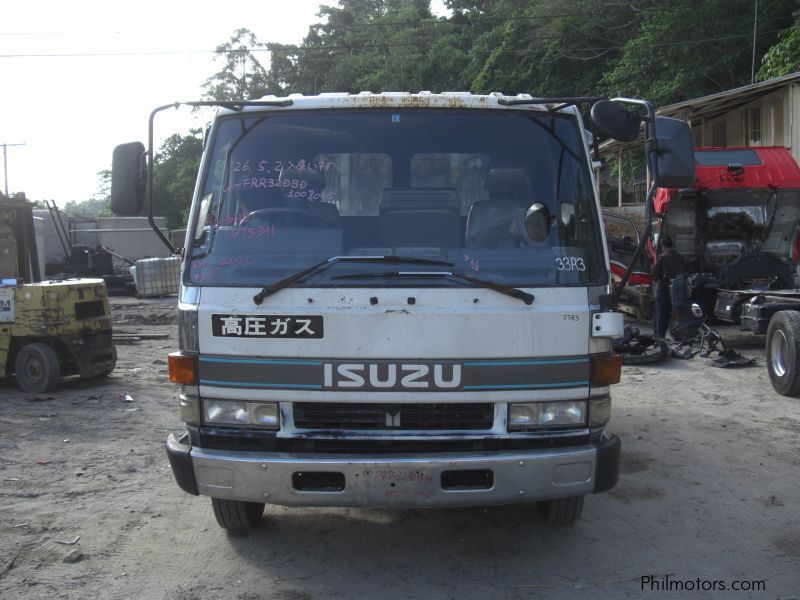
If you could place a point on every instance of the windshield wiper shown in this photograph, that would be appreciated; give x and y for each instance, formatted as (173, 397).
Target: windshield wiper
(321, 266)
(503, 289)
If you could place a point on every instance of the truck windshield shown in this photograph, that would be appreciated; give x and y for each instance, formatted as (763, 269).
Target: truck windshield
(281, 192)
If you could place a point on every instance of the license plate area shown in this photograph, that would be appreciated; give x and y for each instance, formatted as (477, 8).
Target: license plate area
(402, 484)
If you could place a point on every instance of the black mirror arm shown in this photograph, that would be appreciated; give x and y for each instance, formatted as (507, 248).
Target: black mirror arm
(650, 143)
(639, 248)
(651, 150)
(150, 167)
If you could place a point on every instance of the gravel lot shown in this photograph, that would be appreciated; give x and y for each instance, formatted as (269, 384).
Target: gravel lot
(709, 492)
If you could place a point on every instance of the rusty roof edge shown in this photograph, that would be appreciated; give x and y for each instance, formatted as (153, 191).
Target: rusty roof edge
(422, 99)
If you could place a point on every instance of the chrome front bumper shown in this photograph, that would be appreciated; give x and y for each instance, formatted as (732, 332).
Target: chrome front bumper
(400, 481)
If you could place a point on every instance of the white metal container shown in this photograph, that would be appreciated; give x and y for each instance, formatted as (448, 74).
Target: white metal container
(157, 276)
(130, 237)
(53, 245)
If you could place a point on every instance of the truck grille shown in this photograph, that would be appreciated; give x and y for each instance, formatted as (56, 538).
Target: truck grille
(341, 415)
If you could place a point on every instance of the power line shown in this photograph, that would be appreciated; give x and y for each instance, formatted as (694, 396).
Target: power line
(120, 53)
(56, 33)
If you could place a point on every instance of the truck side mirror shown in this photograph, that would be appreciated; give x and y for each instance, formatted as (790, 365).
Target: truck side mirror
(537, 222)
(128, 179)
(675, 154)
(616, 121)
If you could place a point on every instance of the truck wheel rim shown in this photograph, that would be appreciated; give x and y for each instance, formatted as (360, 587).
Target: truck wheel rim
(778, 353)
(34, 370)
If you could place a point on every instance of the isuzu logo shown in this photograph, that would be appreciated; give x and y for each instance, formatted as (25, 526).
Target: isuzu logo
(392, 376)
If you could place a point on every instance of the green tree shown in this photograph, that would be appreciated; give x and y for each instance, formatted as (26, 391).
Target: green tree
(242, 76)
(784, 57)
(176, 164)
(377, 45)
(686, 49)
(545, 47)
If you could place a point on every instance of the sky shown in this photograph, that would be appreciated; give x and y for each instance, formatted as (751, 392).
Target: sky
(77, 78)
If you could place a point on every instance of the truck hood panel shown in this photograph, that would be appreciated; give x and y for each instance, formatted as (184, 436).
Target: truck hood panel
(449, 342)
(442, 323)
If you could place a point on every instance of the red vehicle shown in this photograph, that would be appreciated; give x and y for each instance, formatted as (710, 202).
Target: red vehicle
(740, 223)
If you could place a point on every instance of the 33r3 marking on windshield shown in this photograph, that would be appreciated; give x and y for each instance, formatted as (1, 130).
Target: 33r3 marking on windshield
(570, 263)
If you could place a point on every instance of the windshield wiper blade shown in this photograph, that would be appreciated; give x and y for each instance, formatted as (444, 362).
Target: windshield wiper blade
(321, 266)
(497, 287)
(503, 289)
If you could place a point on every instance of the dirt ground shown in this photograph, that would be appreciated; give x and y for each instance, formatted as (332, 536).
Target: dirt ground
(709, 492)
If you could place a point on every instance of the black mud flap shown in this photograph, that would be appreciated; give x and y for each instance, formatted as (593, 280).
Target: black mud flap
(180, 459)
(607, 469)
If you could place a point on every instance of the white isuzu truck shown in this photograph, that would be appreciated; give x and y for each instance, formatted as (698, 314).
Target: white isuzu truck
(398, 300)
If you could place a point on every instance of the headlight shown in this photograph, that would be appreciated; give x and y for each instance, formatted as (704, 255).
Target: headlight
(546, 414)
(263, 415)
(233, 412)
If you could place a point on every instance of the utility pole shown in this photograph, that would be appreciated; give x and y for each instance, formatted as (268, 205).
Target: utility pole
(755, 34)
(5, 161)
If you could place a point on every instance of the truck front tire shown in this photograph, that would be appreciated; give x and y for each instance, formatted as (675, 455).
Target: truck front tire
(237, 516)
(37, 368)
(561, 511)
(783, 352)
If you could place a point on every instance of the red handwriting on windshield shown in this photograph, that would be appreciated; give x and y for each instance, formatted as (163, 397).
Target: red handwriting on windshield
(269, 232)
(291, 188)
(205, 270)
(266, 183)
(201, 271)
(312, 195)
(279, 166)
(474, 263)
(238, 261)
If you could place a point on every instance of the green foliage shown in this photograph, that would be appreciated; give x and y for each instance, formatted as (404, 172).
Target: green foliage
(545, 47)
(377, 45)
(686, 49)
(784, 57)
(663, 51)
(242, 77)
(175, 173)
(94, 207)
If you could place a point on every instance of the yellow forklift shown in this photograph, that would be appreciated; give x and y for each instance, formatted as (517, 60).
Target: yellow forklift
(48, 329)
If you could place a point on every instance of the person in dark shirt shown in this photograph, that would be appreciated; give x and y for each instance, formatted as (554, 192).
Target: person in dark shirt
(668, 266)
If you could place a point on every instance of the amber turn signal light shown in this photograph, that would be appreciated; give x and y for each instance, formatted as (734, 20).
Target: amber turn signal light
(182, 368)
(606, 369)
